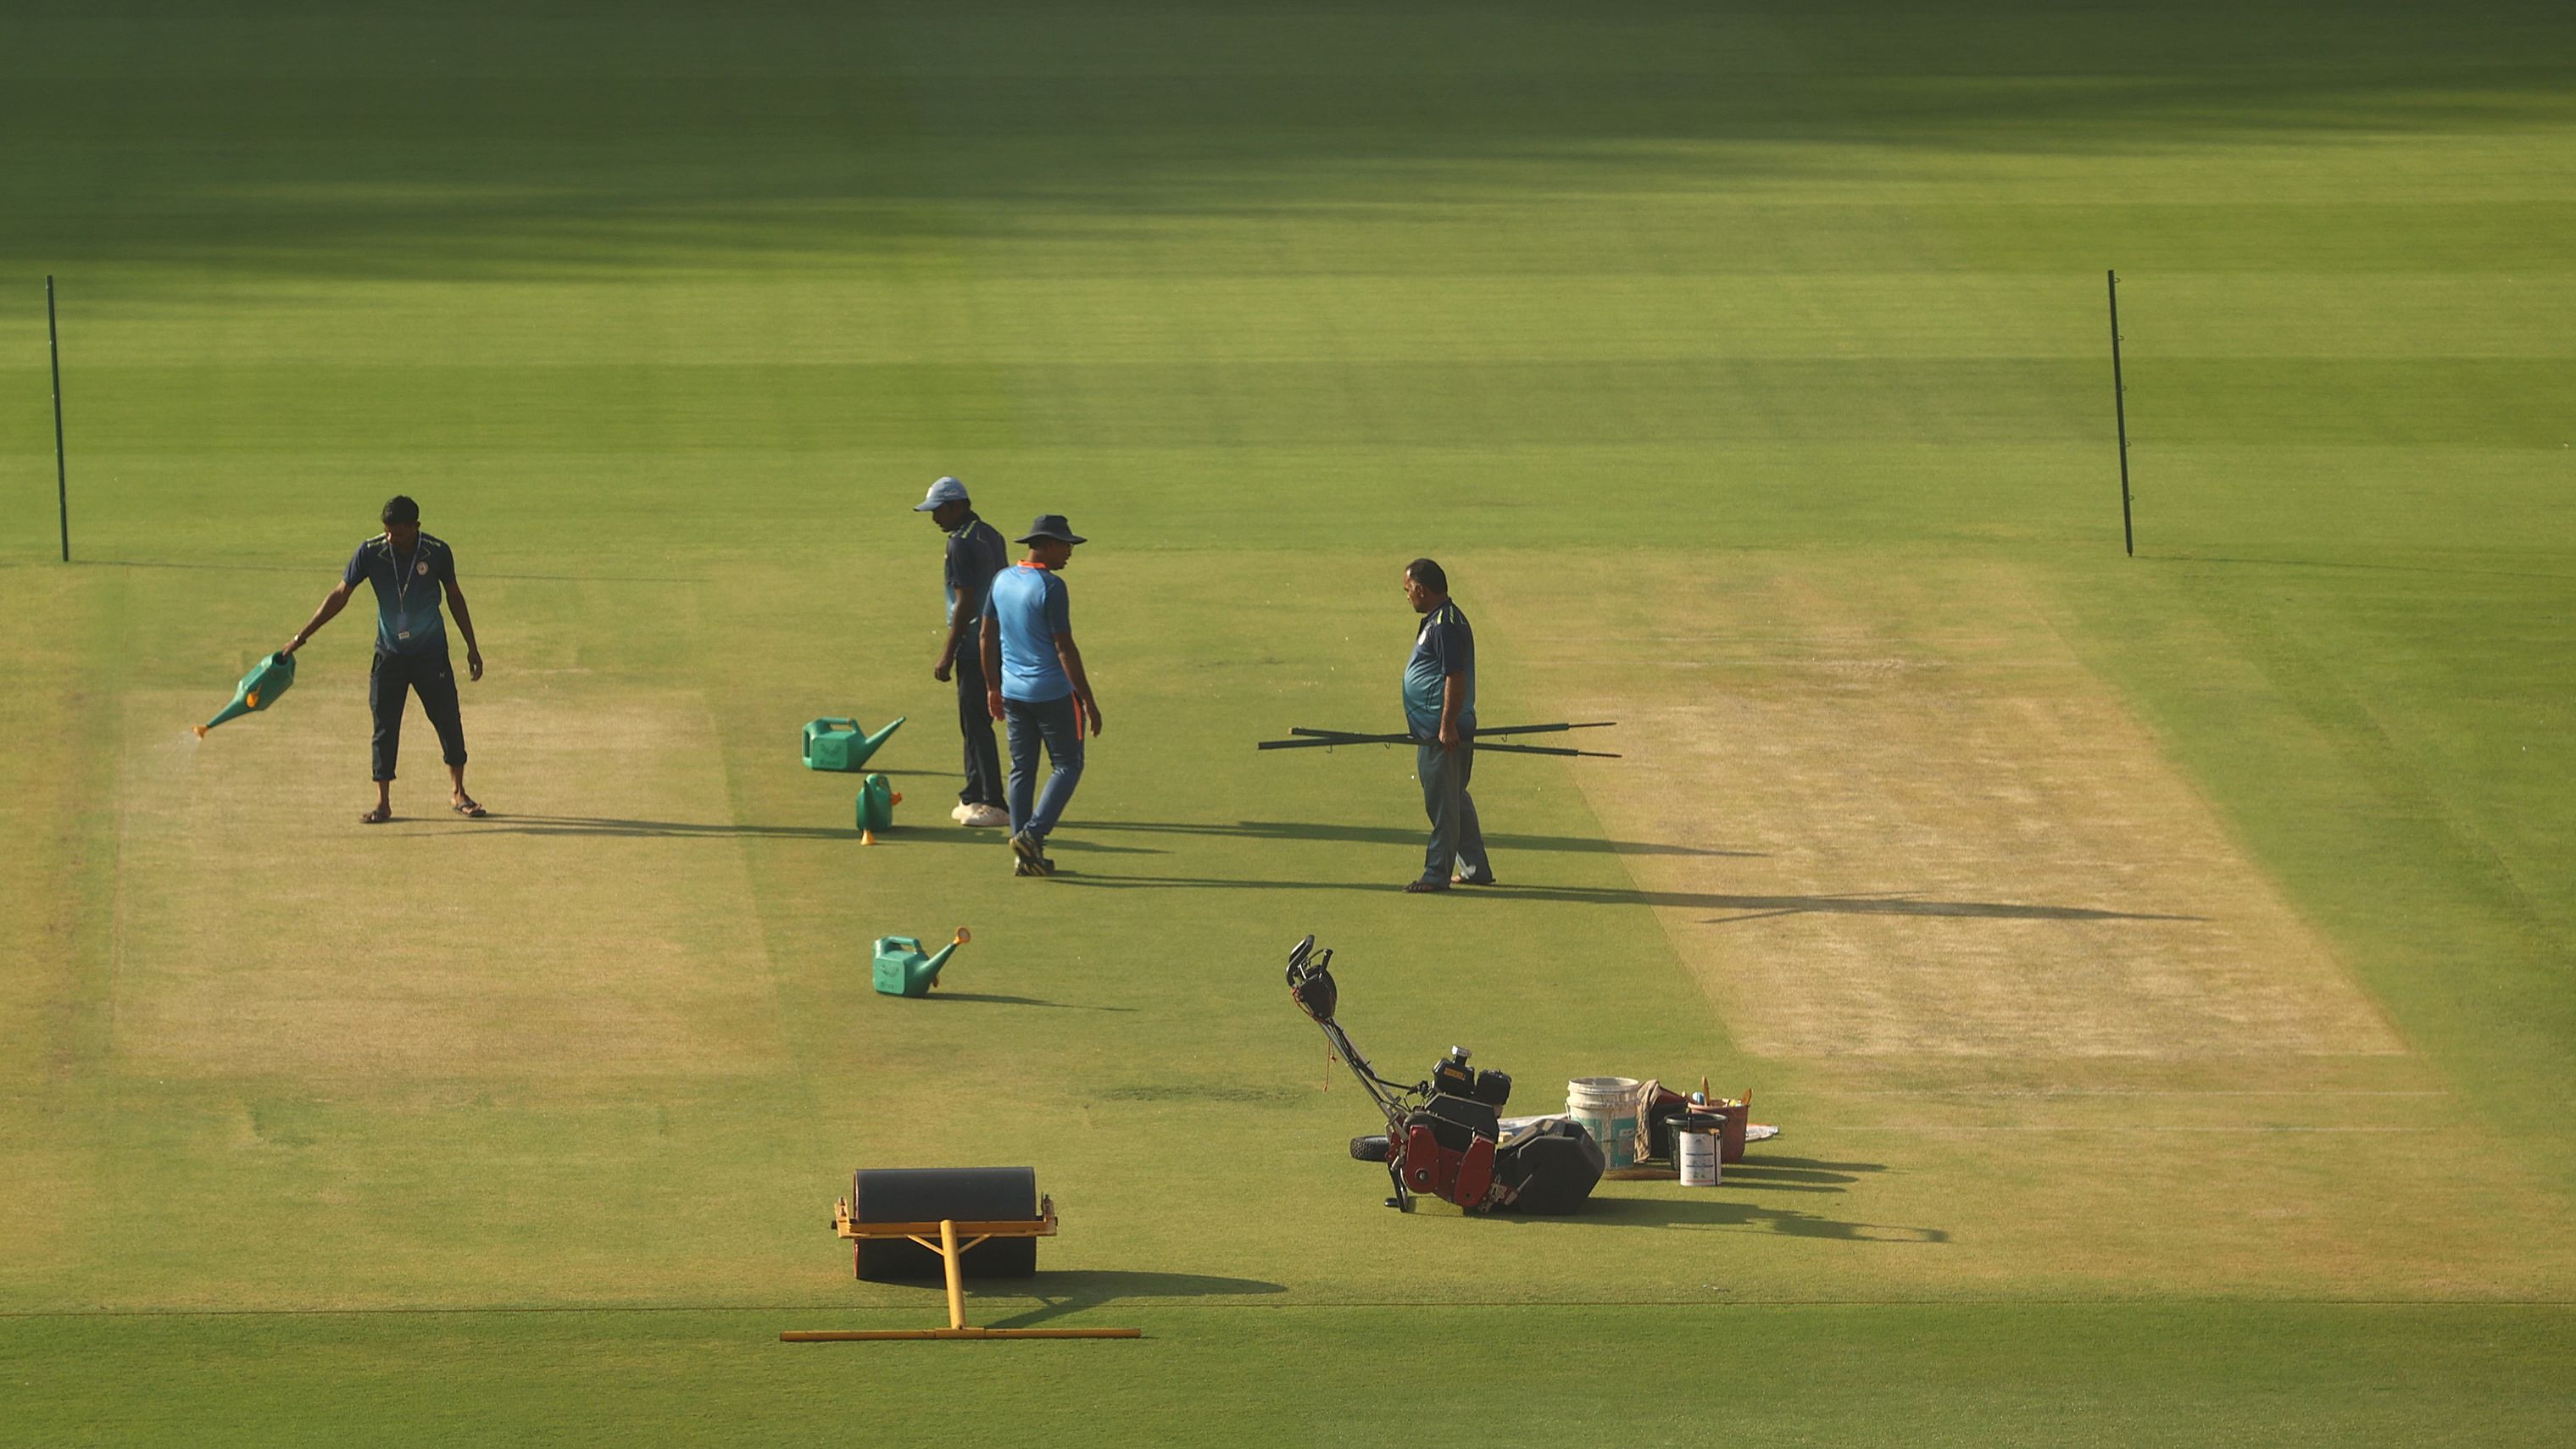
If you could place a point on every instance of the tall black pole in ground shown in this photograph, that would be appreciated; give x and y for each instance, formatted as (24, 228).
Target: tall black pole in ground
(2120, 412)
(62, 484)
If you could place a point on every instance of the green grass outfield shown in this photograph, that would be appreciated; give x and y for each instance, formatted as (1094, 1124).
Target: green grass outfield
(1738, 358)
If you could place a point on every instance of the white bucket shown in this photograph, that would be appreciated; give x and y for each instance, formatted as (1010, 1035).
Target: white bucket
(1609, 1109)
(1695, 1153)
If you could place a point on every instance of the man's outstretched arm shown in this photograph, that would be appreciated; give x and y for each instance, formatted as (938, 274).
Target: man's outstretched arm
(332, 603)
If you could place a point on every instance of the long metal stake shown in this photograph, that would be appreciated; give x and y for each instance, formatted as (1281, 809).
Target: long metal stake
(62, 484)
(2120, 411)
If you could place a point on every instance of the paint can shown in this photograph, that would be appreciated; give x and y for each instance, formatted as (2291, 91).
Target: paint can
(1695, 1148)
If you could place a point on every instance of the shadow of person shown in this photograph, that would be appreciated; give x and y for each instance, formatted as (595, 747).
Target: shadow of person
(1869, 903)
(499, 823)
(1392, 835)
(1061, 1293)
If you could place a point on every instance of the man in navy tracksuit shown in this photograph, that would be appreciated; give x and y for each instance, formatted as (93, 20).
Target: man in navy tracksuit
(1440, 711)
(411, 572)
(975, 555)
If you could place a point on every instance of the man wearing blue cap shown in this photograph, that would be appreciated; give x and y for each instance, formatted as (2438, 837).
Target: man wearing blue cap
(1034, 679)
(975, 555)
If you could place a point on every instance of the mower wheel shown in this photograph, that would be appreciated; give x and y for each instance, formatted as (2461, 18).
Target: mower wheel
(1369, 1149)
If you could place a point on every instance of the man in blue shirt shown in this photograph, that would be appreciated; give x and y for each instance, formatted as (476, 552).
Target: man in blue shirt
(975, 554)
(411, 570)
(1440, 710)
(1034, 680)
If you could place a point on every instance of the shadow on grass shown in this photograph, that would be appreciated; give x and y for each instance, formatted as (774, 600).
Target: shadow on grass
(1391, 835)
(1876, 903)
(720, 132)
(499, 824)
(1799, 1169)
(996, 999)
(1745, 1216)
(1792, 1175)
(1061, 1293)
(321, 567)
(2438, 570)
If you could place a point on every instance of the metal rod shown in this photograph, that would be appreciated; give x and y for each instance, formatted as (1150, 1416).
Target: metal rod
(62, 483)
(1355, 737)
(2120, 413)
(1329, 743)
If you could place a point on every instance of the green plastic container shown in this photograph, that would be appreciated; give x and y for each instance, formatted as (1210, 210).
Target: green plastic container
(877, 799)
(839, 745)
(260, 688)
(903, 969)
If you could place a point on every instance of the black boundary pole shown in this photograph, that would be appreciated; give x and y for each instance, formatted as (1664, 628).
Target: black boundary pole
(2120, 414)
(62, 483)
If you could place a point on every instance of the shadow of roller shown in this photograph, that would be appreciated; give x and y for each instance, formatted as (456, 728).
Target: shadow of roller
(907, 1224)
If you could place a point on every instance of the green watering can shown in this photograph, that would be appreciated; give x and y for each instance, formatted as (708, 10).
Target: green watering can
(902, 970)
(877, 799)
(258, 689)
(840, 745)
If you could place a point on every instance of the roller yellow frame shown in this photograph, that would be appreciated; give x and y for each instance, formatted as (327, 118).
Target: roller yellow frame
(944, 1238)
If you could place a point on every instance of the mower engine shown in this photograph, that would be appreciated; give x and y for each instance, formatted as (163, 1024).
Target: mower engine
(1445, 1136)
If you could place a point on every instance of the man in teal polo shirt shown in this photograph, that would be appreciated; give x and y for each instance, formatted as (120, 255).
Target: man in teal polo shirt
(1440, 710)
(411, 571)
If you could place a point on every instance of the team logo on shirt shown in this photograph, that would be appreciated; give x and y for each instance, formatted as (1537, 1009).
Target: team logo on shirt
(421, 568)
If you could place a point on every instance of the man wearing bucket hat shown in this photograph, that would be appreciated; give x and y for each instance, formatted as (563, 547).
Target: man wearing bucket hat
(1034, 681)
(975, 555)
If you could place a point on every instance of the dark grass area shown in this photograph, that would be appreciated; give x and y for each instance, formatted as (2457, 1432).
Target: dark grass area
(2035, 1374)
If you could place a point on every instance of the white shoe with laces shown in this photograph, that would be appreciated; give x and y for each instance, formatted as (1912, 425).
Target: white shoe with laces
(983, 817)
(963, 814)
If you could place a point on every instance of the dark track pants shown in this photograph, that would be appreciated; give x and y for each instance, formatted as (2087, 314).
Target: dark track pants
(975, 723)
(428, 676)
(1457, 840)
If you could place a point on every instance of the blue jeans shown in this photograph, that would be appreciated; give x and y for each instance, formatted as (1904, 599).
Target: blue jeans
(1456, 839)
(1059, 724)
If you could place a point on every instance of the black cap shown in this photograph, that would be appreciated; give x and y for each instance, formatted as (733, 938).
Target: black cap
(1051, 525)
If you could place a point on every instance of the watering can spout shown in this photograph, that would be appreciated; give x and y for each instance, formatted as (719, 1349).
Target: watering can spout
(940, 957)
(880, 736)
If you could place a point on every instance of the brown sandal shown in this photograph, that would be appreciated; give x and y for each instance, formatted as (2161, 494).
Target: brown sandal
(467, 808)
(377, 816)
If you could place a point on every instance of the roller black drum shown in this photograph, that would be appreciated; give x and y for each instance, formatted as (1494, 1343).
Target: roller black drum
(960, 1194)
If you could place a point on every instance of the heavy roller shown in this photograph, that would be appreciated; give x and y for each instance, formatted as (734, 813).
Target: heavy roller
(911, 1224)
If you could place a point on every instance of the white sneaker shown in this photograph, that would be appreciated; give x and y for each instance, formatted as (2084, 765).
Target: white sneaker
(963, 814)
(984, 817)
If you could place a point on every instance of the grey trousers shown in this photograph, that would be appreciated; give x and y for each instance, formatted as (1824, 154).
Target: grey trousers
(1456, 839)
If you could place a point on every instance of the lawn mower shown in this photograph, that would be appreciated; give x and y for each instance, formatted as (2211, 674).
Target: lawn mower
(1445, 1137)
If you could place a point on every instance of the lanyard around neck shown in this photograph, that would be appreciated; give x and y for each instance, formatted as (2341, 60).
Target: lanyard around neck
(403, 570)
